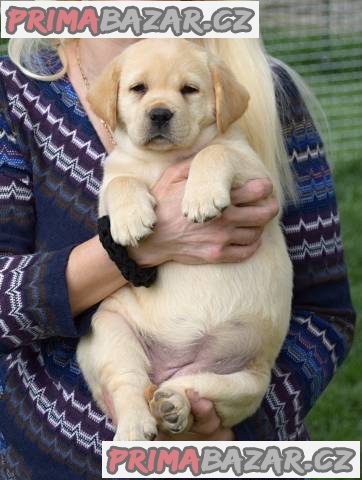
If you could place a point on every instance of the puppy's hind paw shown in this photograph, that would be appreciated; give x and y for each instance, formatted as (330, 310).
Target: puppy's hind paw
(171, 410)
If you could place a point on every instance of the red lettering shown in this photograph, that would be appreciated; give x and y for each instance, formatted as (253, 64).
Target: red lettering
(152, 452)
(190, 459)
(136, 457)
(167, 457)
(67, 18)
(89, 19)
(50, 19)
(116, 456)
(34, 23)
(15, 16)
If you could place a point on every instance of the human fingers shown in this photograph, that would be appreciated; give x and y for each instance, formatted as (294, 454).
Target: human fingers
(244, 236)
(206, 420)
(252, 191)
(251, 216)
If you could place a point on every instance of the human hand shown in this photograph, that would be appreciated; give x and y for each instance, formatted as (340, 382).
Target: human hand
(232, 237)
(206, 426)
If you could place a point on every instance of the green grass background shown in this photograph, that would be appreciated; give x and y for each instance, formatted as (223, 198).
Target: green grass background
(338, 413)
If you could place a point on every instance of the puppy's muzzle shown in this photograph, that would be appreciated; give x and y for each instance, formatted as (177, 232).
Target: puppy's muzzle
(160, 117)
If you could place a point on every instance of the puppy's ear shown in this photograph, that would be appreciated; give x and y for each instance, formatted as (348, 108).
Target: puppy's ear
(103, 95)
(231, 97)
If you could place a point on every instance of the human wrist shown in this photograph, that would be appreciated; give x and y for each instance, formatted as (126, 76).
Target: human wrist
(138, 276)
(91, 276)
(146, 257)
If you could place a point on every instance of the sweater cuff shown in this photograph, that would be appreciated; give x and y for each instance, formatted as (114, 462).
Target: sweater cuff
(56, 303)
(34, 300)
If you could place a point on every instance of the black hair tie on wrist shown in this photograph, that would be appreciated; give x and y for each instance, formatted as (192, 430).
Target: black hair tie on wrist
(138, 276)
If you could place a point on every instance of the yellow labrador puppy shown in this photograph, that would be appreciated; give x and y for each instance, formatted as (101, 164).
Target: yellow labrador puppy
(214, 328)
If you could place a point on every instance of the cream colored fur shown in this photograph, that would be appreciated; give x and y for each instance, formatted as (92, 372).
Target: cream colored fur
(187, 302)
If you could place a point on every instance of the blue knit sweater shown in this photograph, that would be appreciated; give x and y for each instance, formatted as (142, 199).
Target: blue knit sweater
(50, 174)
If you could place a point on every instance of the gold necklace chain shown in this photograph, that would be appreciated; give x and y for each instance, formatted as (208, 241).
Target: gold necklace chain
(87, 86)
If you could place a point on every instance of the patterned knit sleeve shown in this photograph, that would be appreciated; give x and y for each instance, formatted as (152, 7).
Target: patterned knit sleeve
(323, 317)
(33, 292)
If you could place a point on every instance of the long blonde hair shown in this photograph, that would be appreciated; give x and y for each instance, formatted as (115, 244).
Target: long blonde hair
(249, 62)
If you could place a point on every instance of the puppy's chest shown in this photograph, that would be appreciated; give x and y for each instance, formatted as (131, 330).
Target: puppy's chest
(147, 172)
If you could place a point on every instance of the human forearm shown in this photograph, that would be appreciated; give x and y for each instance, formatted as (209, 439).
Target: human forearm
(91, 275)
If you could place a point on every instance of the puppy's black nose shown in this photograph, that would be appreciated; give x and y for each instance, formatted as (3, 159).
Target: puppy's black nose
(160, 116)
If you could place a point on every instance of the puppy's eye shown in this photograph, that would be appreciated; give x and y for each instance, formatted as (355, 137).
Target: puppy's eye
(188, 89)
(139, 88)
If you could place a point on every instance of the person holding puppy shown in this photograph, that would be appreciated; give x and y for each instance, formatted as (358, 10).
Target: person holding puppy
(55, 271)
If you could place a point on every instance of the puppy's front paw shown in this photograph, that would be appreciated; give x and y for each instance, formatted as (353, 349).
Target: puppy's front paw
(171, 410)
(132, 222)
(202, 204)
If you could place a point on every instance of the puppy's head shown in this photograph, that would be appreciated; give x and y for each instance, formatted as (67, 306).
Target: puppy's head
(164, 93)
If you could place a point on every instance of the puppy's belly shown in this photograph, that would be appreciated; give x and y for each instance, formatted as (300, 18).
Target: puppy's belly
(188, 299)
(225, 349)
(245, 306)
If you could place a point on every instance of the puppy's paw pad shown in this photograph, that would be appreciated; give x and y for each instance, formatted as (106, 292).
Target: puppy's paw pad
(171, 409)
